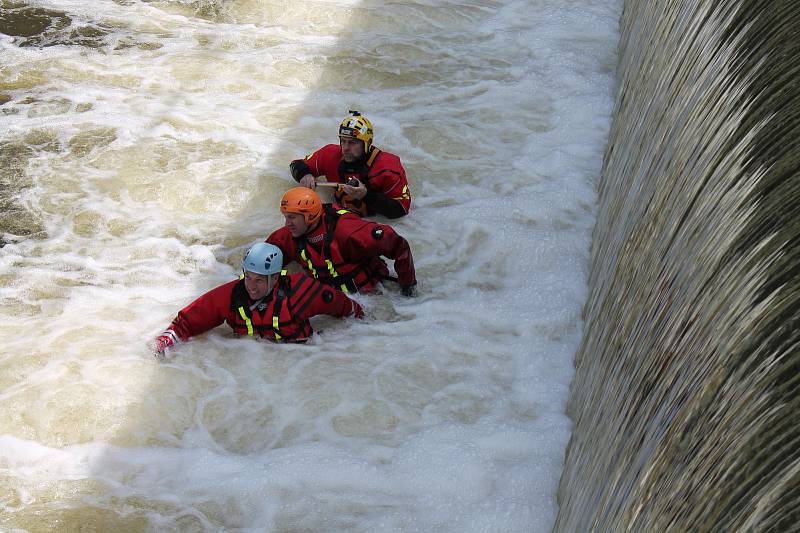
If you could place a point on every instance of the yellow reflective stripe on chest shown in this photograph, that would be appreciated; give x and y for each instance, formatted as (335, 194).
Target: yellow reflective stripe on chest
(276, 309)
(247, 321)
(328, 263)
(343, 287)
(276, 326)
(331, 270)
(305, 258)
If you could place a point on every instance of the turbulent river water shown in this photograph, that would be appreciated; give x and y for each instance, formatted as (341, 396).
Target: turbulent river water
(604, 226)
(144, 145)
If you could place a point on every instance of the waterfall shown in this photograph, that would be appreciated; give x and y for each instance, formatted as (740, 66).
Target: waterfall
(685, 397)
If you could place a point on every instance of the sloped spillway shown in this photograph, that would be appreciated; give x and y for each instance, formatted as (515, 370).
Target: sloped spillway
(685, 398)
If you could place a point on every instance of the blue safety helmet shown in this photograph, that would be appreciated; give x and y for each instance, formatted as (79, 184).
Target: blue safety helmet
(263, 258)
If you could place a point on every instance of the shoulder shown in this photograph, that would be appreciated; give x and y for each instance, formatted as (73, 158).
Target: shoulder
(353, 227)
(227, 287)
(295, 278)
(300, 284)
(222, 294)
(348, 219)
(387, 171)
(385, 158)
(326, 159)
(329, 151)
(280, 237)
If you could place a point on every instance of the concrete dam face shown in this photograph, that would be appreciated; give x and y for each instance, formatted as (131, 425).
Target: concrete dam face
(685, 401)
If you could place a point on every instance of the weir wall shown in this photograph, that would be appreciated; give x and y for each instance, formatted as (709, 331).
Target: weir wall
(685, 400)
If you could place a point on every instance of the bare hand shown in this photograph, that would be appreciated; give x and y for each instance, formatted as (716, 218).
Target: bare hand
(358, 192)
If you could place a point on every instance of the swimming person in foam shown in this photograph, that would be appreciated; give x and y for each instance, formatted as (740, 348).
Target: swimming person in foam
(266, 302)
(371, 181)
(340, 248)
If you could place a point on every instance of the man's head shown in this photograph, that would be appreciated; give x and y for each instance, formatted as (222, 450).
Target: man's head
(355, 136)
(302, 209)
(260, 265)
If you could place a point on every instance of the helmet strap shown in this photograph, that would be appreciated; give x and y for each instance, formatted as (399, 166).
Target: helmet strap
(313, 226)
(271, 281)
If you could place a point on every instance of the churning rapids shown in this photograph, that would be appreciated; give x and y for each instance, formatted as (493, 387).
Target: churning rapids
(144, 146)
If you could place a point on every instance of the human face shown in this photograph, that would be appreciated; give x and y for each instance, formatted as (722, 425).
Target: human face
(257, 285)
(352, 149)
(296, 224)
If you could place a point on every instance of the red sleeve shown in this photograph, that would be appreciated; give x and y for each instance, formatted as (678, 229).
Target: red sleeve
(282, 238)
(387, 176)
(325, 162)
(311, 298)
(205, 313)
(362, 239)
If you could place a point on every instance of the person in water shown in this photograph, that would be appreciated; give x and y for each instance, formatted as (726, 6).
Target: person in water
(371, 180)
(338, 247)
(266, 302)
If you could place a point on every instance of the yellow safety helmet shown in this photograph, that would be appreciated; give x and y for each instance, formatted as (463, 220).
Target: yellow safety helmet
(357, 126)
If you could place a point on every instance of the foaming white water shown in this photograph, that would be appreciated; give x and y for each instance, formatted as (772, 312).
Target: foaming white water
(155, 160)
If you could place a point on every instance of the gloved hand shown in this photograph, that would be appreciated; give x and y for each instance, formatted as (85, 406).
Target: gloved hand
(409, 290)
(308, 181)
(358, 311)
(163, 343)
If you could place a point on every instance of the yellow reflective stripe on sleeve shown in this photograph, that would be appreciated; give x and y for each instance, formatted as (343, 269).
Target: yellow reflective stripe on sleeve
(405, 195)
(247, 321)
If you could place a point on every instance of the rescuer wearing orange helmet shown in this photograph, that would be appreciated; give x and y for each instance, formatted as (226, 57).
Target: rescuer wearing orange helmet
(371, 180)
(338, 247)
(267, 302)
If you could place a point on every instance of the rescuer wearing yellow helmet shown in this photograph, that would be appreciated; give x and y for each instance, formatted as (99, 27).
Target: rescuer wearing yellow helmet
(372, 181)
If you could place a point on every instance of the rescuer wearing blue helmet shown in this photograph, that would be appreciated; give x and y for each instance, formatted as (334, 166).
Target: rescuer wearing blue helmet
(266, 301)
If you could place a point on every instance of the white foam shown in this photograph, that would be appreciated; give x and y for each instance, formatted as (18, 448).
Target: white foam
(440, 413)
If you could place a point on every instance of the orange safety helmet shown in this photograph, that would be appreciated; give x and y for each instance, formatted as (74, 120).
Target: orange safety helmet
(304, 201)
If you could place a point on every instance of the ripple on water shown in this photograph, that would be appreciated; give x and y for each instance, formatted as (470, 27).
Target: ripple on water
(15, 219)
